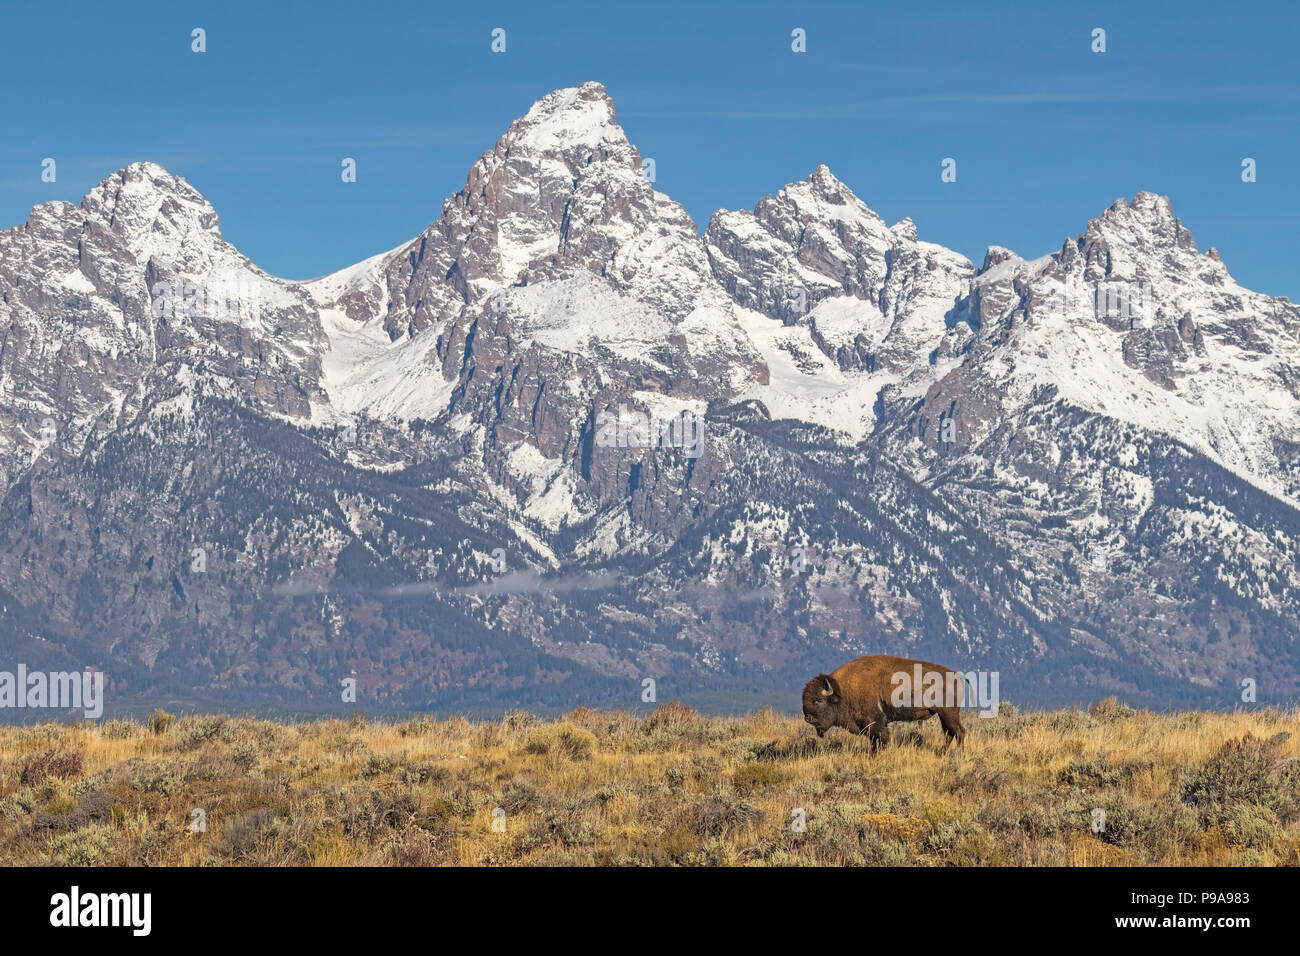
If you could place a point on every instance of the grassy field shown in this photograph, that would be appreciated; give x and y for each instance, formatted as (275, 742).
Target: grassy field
(611, 788)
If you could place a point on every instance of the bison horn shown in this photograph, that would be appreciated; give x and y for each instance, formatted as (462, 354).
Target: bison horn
(829, 689)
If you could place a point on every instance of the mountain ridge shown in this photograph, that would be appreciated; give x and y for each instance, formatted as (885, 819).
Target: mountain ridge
(448, 467)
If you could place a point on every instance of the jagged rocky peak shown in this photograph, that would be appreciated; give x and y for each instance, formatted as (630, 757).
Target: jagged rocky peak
(823, 184)
(562, 194)
(132, 300)
(142, 208)
(1130, 236)
(995, 256)
(904, 229)
(580, 117)
(873, 296)
(151, 209)
(568, 194)
(813, 240)
(566, 137)
(1141, 241)
(820, 198)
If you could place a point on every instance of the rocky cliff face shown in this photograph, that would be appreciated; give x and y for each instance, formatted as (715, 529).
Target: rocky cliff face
(561, 442)
(872, 296)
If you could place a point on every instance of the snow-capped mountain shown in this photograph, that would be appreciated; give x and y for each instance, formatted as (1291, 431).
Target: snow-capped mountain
(561, 441)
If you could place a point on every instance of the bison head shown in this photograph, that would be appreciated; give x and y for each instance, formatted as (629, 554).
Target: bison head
(821, 702)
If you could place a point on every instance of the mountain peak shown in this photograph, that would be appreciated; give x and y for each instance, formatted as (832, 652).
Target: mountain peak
(826, 186)
(145, 203)
(996, 255)
(1147, 208)
(146, 177)
(904, 228)
(1147, 221)
(563, 195)
(577, 116)
(823, 198)
(1146, 200)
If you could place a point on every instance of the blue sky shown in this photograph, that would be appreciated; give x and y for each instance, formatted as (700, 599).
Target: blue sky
(1045, 132)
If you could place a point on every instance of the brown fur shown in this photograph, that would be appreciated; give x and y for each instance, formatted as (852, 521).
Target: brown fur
(860, 699)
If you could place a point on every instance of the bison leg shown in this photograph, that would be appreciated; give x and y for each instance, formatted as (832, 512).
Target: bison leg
(878, 731)
(951, 721)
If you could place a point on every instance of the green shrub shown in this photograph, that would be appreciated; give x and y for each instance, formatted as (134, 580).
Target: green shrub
(571, 742)
(159, 721)
(1249, 771)
(417, 726)
(89, 846)
(120, 729)
(719, 812)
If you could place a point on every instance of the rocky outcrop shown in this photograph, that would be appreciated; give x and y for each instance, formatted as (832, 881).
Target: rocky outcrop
(873, 297)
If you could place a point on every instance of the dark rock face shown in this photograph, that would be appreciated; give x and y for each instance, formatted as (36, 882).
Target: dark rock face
(560, 443)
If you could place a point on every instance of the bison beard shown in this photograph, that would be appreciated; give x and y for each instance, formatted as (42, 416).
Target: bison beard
(857, 697)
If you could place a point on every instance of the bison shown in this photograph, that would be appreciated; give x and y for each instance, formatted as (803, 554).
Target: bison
(865, 694)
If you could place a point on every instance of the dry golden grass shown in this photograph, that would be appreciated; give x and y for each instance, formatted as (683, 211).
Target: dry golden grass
(605, 788)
